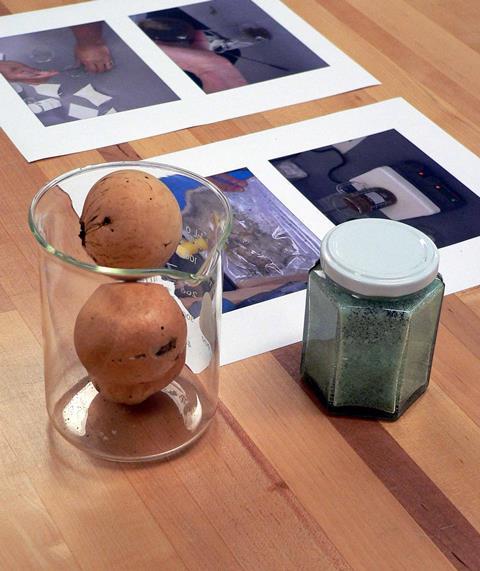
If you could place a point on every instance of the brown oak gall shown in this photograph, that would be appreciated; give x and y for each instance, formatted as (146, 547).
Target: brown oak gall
(131, 338)
(130, 219)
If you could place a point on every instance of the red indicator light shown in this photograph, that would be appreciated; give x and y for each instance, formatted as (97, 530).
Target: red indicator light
(421, 173)
(438, 187)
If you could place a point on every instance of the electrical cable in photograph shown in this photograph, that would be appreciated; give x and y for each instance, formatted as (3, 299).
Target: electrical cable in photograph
(281, 68)
(333, 169)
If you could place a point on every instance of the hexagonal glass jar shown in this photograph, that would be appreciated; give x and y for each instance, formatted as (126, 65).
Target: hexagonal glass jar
(371, 355)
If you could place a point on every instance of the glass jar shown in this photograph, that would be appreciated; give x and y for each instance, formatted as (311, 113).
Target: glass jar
(174, 417)
(373, 307)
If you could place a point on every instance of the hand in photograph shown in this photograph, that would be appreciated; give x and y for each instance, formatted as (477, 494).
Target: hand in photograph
(214, 71)
(91, 51)
(21, 73)
(228, 183)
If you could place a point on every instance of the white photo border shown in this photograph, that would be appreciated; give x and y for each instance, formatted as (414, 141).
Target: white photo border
(35, 141)
(278, 322)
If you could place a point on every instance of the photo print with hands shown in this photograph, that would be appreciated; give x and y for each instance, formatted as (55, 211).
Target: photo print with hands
(79, 72)
(223, 44)
(94, 74)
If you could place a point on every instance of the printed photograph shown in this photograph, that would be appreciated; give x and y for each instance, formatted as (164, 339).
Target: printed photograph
(269, 252)
(80, 72)
(385, 176)
(222, 44)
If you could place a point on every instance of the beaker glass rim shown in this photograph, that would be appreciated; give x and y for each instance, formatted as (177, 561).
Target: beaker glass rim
(134, 273)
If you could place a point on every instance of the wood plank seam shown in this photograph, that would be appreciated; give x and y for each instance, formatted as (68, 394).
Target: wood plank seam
(280, 486)
(446, 526)
(120, 152)
(457, 317)
(51, 517)
(391, 47)
(128, 469)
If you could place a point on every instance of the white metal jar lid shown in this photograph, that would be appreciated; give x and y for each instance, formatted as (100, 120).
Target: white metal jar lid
(379, 258)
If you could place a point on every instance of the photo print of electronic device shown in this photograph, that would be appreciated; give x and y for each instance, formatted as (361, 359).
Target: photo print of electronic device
(385, 176)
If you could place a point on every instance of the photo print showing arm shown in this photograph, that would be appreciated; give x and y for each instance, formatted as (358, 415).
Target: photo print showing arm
(187, 42)
(16, 71)
(90, 49)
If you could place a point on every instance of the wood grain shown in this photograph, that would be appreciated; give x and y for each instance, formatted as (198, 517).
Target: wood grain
(454, 16)
(276, 483)
(395, 453)
(353, 506)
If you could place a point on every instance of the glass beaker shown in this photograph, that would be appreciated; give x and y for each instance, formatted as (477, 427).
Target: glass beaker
(168, 420)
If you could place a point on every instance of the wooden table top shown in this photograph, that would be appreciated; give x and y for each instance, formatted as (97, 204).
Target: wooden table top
(275, 484)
